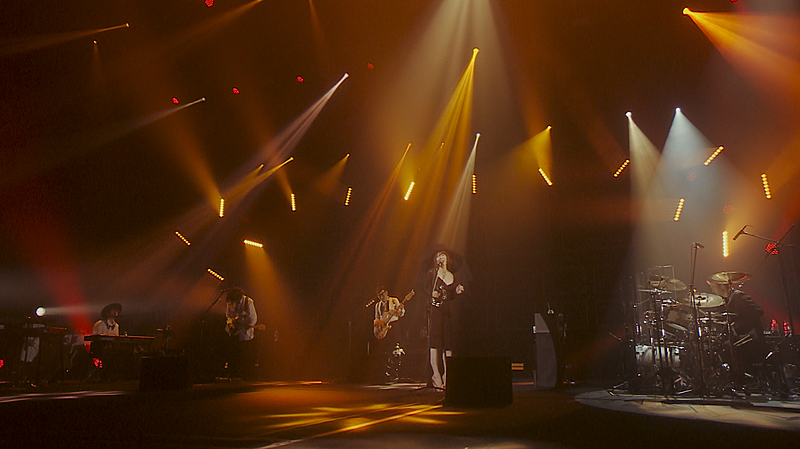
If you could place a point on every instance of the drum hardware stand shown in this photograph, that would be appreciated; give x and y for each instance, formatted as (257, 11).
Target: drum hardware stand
(776, 250)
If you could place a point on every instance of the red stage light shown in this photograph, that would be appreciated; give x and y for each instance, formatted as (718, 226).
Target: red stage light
(175, 100)
(771, 248)
(235, 91)
(209, 3)
(370, 66)
(300, 79)
(2, 362)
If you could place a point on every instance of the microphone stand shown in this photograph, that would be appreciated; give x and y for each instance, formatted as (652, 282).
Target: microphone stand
(701, 388)
(203, 319)
(429, 381)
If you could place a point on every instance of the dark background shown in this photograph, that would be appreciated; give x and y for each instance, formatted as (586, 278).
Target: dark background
(83, 191)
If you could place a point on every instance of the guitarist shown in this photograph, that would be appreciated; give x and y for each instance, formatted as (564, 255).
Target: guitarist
(388, 309)
(241, 318)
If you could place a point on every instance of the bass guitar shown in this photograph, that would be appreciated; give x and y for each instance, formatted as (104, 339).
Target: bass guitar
(382, 325)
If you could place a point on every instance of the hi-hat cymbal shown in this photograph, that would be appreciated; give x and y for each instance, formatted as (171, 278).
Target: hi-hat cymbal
(728, 277)
(672, 284)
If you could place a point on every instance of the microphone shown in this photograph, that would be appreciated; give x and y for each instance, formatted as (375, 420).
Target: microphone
(741, 231)
(698, 245)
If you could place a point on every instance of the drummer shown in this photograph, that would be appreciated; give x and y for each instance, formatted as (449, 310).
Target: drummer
(745, 315)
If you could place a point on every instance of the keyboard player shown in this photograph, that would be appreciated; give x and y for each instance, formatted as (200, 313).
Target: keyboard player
(107, 324)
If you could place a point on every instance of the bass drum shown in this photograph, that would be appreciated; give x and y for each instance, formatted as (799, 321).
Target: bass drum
(650, 359)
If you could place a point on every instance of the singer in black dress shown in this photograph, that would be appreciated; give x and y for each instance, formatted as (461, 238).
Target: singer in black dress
(444, 287)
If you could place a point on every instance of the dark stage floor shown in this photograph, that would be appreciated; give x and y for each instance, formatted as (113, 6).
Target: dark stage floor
(326, 415)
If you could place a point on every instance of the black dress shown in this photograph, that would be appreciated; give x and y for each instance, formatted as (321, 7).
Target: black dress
(441, 327)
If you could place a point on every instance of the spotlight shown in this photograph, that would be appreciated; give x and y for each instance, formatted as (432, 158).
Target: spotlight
(771, 248)
(370, 66)
(408, 192)
(299, 79)
(253, 244)
(215, 274)
(765, 183)
(235, 91)
(175, 100)
(686, 11)
(677, 110)
(209, 3)
(622, 167)
(725, 252)
(475, 51)
(346, 75)
(547, 179)
(40, 311)
(127, 25)
(347, 197)
(183, 239)
(628, 114)
(714, 155)
(679, 209)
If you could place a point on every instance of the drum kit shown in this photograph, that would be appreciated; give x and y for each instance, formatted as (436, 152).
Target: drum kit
(683, 339)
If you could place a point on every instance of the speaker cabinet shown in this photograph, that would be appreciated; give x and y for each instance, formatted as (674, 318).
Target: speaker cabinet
(478, 382)
(164, 373)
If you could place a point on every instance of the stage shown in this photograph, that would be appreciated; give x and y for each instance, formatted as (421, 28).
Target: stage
(318, 414)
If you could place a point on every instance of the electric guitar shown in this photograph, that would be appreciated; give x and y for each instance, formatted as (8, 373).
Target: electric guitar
(233, 325)
(382, 325)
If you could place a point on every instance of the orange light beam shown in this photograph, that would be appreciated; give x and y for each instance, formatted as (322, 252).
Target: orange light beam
(36, 42)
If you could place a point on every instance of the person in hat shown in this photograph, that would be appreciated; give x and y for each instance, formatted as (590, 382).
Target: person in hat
(445, 284)
(107, 324)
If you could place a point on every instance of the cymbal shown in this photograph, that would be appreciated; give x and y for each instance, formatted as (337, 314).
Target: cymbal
(728, 277)
(672, 284)
(704, 300)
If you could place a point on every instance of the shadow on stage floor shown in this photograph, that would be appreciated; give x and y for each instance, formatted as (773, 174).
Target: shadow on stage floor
(401, 415)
